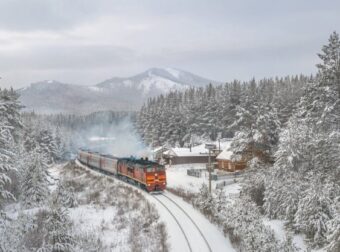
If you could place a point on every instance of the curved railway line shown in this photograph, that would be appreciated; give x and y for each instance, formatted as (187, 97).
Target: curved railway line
(179, 224)
(166, 205)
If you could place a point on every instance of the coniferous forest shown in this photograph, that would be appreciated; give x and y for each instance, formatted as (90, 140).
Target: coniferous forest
(288, 131)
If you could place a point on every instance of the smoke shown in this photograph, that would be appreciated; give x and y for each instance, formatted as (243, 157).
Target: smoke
(119, 139)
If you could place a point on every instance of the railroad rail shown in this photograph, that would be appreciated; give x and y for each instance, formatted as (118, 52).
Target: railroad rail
(192, 221)
(159, 198)
(179, 225)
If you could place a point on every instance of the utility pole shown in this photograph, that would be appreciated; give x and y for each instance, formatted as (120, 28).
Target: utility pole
(210, 147)
(209, 172)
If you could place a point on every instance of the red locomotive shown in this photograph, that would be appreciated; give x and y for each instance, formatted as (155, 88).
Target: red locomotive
(143, 172)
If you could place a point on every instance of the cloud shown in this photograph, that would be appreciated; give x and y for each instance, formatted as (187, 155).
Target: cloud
(65, 57)
(85, 41)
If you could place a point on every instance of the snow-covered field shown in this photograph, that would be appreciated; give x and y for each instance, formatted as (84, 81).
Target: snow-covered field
(177, 178)
(116, 216)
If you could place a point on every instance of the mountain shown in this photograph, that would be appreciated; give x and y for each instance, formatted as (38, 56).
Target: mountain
(113, 94)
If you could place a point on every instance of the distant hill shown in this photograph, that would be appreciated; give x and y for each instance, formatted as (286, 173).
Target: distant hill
(124, 94)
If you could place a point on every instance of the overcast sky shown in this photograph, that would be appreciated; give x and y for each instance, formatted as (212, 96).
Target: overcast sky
(87, 41)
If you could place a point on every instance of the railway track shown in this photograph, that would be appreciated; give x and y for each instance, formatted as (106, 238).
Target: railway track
(186, 224)
(178, 223)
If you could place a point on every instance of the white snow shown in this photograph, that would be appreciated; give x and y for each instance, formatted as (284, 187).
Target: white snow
(278, 227)
(175, 73)
(159, 83)
(281, 234)
(128, 83)
(225, 155)
(91, 218)
(198, 150)
(177, 178)
(95, 88)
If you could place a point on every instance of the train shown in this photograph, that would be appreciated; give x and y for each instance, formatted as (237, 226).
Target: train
(142, 172)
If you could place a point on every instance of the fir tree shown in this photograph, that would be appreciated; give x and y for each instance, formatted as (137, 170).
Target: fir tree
(6, 161)
(35, 183)
(58, 226)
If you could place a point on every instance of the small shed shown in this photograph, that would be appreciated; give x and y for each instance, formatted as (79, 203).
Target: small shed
(157, 152)
(224, 162)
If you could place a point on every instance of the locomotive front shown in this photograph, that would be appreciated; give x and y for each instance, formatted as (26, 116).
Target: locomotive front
(155, 177)
(147, 174)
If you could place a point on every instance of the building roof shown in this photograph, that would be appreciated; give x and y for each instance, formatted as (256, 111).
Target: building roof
(159, 148)
(226, 153)
(198, 150)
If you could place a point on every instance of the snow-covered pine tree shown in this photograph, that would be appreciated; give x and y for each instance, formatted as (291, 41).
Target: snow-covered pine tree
(35, 182)
(10, 111)
(333, 227)
(47, 145)
(29, 139)
(67, 195)
(58, 227)
(257, 129)
(6, 160)
(314, 212)
(308, 159)
(60, 146)
(205, 201)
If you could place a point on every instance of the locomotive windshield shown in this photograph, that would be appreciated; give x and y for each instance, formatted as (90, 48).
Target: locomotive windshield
(151, 168)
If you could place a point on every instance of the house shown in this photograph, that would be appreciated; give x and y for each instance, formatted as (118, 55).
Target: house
(157, 153)
(196, 154)
(224, 161)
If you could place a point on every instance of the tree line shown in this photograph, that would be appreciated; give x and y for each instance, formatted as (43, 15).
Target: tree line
(286, 129)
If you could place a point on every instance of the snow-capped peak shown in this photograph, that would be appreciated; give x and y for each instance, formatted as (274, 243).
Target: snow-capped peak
(115, 93)
(174, 72)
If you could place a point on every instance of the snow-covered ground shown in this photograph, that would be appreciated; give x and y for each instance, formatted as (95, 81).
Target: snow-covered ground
(177, 178)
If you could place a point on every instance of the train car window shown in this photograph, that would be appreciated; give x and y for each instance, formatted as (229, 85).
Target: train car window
(130, 168)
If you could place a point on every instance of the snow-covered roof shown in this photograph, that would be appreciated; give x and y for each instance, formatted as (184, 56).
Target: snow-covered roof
(198, 150)
(226, 153)
(158, 149)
